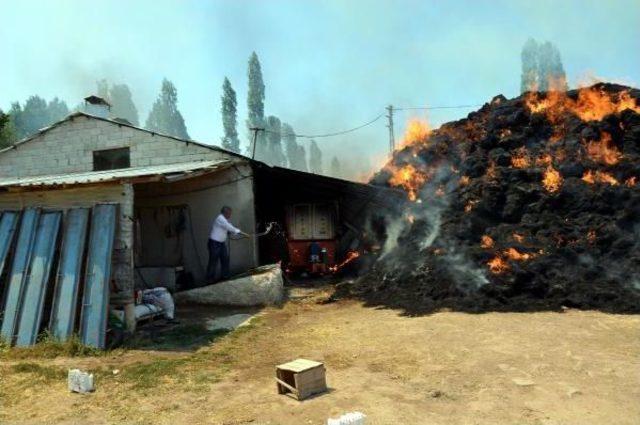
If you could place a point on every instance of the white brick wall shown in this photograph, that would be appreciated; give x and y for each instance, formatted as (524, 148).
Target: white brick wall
(69, 147)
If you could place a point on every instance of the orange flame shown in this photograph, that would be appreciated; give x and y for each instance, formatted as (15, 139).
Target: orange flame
(417, 131)
(470, 205)
(599, 177)
(552, 180)
(497, 265)
(464, 180)
(518, 237)
(591, 236)
(604, 150)
(351, 255)
(520, 158)
(486, 242)
(514, 254)
(407, 177)
(630, 182)
(592, 104)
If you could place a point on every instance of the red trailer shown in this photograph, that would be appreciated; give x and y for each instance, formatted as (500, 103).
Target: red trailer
(311, 237)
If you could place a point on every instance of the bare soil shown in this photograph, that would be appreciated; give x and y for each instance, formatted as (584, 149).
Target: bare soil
(574, 367)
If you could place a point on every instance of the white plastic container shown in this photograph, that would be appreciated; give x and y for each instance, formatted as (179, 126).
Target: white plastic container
(352, 418)
(80, 382)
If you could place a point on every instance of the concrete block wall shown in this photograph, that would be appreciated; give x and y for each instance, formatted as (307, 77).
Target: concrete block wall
(68, 148)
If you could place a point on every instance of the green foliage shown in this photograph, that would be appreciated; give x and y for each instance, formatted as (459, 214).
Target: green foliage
(274, 154)
(7, 130)
(315, 158)
(229, 117)
(165, 118)
(295, 153)
(255, 104)
(48, 348)
(43, 373)
(542, 68)
(122, 105)
(35, 114)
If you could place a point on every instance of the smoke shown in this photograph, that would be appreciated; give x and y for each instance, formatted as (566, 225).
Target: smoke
(416, 232)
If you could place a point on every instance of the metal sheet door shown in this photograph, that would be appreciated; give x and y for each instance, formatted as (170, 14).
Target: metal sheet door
(8, 224)
(65, 295)
(13, 301)
(35, 285)
(95, 302)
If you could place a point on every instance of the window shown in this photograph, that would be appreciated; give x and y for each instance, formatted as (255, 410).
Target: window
(111, 159)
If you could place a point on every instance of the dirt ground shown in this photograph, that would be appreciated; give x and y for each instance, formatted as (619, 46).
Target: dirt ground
(574, 367)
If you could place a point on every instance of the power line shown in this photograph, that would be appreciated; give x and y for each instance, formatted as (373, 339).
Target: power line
(437, 107)
(337, 133)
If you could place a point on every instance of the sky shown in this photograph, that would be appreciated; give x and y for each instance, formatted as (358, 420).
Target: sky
(327, 65)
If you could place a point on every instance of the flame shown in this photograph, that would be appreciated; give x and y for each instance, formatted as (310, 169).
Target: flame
(552, 180)
(599, 177)
(497, 265)
(417, 131)
(591, 236)
(520, 158)
(491, 171)
(486, 242)
(407, 177)
(351, 255)
(630, 182)
(514, 254)
(604, 150)
(464, 180)
(518, 237)
(592, 104)
(543, 160)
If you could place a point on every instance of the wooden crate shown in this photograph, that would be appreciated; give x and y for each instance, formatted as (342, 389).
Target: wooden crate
(301, 378)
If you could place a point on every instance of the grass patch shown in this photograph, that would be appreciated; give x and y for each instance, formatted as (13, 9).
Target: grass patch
(149, 375)
(180, 337)
(48, 348)
(45, 373)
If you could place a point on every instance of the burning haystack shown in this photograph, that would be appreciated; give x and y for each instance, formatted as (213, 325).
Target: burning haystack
(528, 203)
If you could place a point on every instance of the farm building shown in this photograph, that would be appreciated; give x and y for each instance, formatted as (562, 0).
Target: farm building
(167, 191)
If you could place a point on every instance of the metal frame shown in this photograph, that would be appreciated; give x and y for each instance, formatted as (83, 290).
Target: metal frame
(67, 287)
(95, 301)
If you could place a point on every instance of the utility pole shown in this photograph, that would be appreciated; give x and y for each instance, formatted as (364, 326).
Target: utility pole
(255, 140)
(392, 140)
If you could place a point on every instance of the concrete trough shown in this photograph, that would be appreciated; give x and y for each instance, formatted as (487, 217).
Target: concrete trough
(259, 287)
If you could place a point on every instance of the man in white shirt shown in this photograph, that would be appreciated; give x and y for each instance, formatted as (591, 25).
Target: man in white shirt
(218, 244)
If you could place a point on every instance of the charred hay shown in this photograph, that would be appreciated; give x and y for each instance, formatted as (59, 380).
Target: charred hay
(528, 203)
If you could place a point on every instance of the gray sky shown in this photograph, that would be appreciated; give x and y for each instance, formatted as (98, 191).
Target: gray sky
(328, 65)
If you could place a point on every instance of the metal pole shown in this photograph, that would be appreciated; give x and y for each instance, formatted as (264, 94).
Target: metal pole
(255, 140)
(392, 140)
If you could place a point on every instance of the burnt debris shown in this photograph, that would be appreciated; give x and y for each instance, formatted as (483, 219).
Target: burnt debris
(529, 203)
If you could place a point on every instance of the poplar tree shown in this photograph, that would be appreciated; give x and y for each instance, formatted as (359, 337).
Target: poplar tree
(229, 117)
(255, 102)
(274, 155)
(315, 158)
(122, 105)
(164, 117)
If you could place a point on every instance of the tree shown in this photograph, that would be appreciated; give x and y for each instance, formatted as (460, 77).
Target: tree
(336, 170)
(7, 130)
(255, 102)
(275, 156)
(315, 158)
(295, 153)
(56, 110)
(529, 57)
(542, 68)
(229, 117)
(164, 116)
(122, 105)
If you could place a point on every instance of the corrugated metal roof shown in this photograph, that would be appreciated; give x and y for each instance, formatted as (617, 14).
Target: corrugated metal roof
(169, 170)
